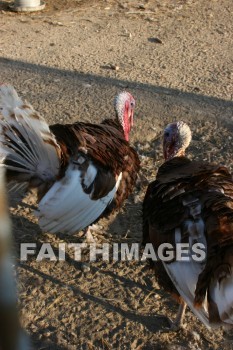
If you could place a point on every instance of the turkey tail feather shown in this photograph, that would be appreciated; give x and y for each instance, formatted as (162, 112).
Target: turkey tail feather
(221, 291)
(27, 146)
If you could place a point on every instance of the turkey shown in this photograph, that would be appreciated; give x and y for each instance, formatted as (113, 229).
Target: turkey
(78, 169)
(192, 202)
(11, 334)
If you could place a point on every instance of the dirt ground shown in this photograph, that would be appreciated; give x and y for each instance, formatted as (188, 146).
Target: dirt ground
(176, 57)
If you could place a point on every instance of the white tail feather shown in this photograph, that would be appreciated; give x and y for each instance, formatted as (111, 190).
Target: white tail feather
(222, 294)
(26, 144)
(9, 99)
(67, 208)
(185, 282)
(184, 275)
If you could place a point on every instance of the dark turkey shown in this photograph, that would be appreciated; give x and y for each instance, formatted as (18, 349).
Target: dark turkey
(192, 202)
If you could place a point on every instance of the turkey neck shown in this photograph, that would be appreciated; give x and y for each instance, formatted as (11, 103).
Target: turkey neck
(114, 123)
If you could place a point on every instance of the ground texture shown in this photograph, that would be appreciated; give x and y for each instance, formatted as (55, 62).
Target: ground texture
(69, 61)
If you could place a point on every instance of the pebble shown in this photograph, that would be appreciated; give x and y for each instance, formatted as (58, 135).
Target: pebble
(156, 40)
(123, 6)
(141, 7)
(114, 67)
(85, 267)
(196, 336)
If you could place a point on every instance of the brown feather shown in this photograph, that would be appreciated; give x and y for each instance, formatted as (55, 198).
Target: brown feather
(177, 181)
(105, 145)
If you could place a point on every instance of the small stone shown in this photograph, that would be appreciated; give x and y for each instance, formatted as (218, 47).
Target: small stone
(114, 67)
(86, 85)
(155, 40)
(85, 267)
(123, 6)
(149, 19)
(141, 7)
(196, 336)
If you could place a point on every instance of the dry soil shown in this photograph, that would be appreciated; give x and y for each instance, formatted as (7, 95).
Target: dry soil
(69, 61)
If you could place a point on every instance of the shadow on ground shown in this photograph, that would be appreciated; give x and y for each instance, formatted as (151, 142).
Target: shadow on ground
(66, 96)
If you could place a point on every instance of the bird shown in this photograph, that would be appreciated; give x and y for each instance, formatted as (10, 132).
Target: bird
(191, 202)
(11, 334)
(78, 169)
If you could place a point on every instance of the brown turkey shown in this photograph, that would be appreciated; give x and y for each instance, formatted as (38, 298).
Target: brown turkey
(78, 169)
(192, 202)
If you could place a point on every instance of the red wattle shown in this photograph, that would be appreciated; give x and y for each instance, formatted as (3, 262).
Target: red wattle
(126, 124)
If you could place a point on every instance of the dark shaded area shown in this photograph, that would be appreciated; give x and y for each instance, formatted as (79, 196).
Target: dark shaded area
(107, 81)
(4, 6)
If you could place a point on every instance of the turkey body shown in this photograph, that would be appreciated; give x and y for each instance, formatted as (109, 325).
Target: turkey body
(105, 146)
(108, 169)
(78, 169)
(192, 202)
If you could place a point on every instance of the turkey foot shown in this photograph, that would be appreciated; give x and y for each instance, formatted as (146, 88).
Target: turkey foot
(177, 324)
